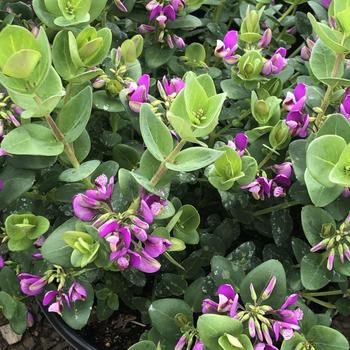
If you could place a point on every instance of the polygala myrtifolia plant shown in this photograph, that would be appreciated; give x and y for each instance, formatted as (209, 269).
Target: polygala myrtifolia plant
(185, 159)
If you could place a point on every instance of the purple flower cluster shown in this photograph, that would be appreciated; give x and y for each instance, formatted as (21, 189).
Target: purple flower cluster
(276, 63)
(161, 14)
(33, 285)
(182, 344)
(58, 299)
(129, 242)
(297, 119)
(87, 205)
(263, 187)
(263, 322)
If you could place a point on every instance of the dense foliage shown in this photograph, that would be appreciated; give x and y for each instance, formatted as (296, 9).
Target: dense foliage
(187, 159)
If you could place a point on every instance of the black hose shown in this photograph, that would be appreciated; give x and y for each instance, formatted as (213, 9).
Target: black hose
(67, 333)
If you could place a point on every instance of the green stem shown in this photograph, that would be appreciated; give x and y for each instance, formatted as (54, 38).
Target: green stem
(320, 302)
(276, 208)
(285, 14)
(329, 91)
(169, 159)
(68, 150)
(324, 294)
(266, 159)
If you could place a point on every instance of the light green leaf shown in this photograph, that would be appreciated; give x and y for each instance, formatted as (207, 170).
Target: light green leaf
(84, 170)
(314, 273)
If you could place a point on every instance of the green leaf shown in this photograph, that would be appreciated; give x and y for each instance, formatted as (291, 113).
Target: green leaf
(32, 139)
(187, 224)
(312, 220)
(322, 155)
(249, 169)
(75, 114)
(225, 271)
(319, 194)
(211, 327)
(292, 343)
(78, 314)
(185, 22)
(77, 174)
(16, 183)
(314, 273)
(18, 320)
(143, 345)
(297, 152)
(340, 174)
(126, 156)
(55, 250)
(8, 305)
(107, 103)
(336, 124)
(157, 56)
(325, 338)
(260, 278)
(162, 313)
(9, 282)
(332, 38)
(194, 158)
(322, 62)
(155, 133)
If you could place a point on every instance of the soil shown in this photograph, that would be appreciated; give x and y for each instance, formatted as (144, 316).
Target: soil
(118, 333)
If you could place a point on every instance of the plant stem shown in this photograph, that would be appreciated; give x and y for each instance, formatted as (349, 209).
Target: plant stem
(68, 150)
(285, 14)
(320, 302)
(329, 91)
(324, 294)
(169, 159)
(275, 208)
(266, 159)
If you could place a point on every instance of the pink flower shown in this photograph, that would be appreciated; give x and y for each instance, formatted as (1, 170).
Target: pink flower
(277, 62)
(226, 48)
(260, 188)
(138, 93)
(265, 39)
(298, 123)
(31, 284)
(77, 292)
(295, 101)
(172, 88)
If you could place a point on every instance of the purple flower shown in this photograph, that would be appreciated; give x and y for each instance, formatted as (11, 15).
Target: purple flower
(226, 48)
(151, 206)
(260, 188)
(162, 14)
(298, 123)
(269, 289)
(330, 260)
(228, 301)
(263, 346)
(345, 105)
(59, 300)
(146, 28)
(138, 93)
(173, 88)
(179, 42)
(155, 246)
(37, 256)
(276, 63)
(108, 227)
(85, 208)
(31, 284)
(181, 343)
(120, 5)
(104, 188)
(2, 185)
(2, 262)
(326, 3)
(77, 292)
(198, 345)
(30, 320)
(239, 143)
(177, 4)
(295, 101)
(265, 39)
(143, 262)
(285, 169)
